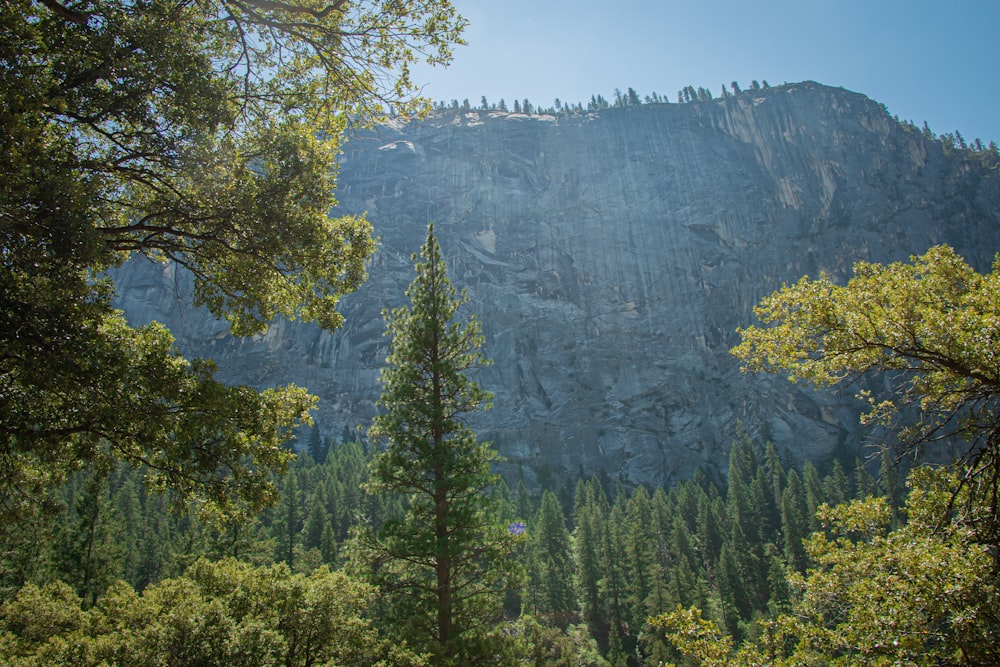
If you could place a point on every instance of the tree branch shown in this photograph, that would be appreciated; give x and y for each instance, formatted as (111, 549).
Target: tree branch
(62, 11)
(296, 9)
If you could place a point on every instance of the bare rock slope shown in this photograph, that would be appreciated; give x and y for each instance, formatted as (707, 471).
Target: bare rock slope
(611, 257)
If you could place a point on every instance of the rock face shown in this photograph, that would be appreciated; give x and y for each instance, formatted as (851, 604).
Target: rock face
(611, 257)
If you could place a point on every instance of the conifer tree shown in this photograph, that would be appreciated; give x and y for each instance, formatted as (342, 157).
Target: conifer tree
(316, 524)
(613, 585)
(288, 525)
(317, 448)
(640, 543)
(710, 531)
(88, 552)
(683, 580)
(550, 563)
(794, 522)
(444, 564)
(815, 494)
(836, 487)
(126, 502)
(590, 519)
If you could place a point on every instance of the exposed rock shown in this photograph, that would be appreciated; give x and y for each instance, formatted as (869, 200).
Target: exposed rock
(611, 257)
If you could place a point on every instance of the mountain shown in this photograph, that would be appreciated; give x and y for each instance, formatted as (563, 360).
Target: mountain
(610, 257)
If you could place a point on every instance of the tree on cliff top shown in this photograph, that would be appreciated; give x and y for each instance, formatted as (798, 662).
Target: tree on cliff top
(203, 132)
(445, 566)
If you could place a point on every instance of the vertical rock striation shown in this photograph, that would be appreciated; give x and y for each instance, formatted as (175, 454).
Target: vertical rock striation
(611, 257)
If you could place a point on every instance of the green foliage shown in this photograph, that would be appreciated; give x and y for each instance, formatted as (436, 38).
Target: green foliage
(88, 551)
(542, 645)
(931, 326)
(225, 613)
(444, 565)
(922, 594)
(641, 555)
(200, 132)
(695, 636)
(550, 590)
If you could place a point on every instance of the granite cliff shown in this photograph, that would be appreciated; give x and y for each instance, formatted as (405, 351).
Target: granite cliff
(611, 257)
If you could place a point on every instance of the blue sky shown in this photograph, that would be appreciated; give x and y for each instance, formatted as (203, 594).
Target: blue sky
(927, 61)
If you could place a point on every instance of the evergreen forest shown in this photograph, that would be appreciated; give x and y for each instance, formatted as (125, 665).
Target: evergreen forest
(598, 560)
(152, 515)
(773, 564)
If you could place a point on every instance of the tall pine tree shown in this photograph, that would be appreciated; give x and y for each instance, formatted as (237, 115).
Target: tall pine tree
(550, 564)
(444, 565)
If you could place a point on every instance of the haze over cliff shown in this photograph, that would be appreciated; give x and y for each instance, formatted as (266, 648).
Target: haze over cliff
(610, 257)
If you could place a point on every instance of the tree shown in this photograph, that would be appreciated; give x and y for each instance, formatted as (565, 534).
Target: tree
(315, 446)
(316, 524)
(444, 565)
(287, 526)
(550, 564)
(923, 594)
(547, 646)
(930, 328)
(204, 133)
(794, 522)
(224, 613)
(89, 551)
(590, 514)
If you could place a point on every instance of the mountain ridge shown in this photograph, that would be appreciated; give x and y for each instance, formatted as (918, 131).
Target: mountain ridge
(610, 256)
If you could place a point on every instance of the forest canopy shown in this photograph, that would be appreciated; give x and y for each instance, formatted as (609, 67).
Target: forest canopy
(204, 133)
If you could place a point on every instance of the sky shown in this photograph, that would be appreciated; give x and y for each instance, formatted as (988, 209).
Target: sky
(932, 61)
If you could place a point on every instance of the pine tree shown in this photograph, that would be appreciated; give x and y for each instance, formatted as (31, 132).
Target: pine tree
(710, 531)
(614, 583)
(794, 522)
(590, 512)
(836, 487)
(639, 539)
(733, 603)
(744, 502)
(683, 580)
(815, 495)
(775, 473)
(317, 448)
(444, 564)
(129, 508)
(317, 522)
(888, 484)
(289, 519)
(863, 481)
(89, 554)
(551, 564)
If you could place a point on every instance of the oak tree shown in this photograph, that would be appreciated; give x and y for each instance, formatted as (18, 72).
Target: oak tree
(202, 132)
(930, 328)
